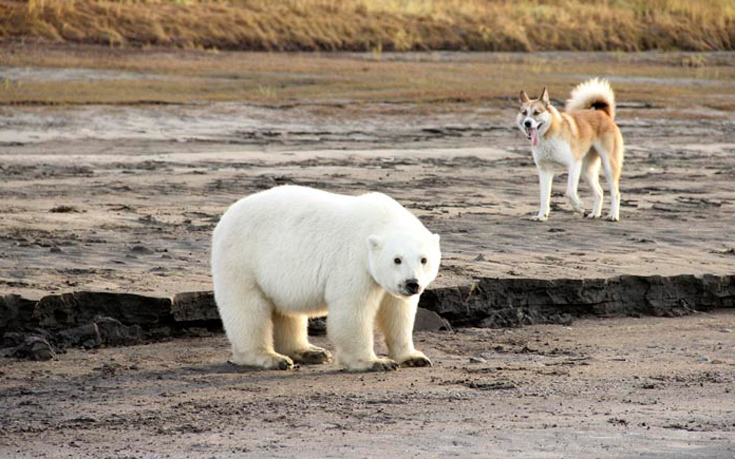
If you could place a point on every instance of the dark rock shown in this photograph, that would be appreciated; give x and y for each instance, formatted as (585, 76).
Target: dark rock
(103, 331)
(159, 333)
(32, 347)
(68, 310)
(86, 336)
(141, 250)
(16, 313)
(113, 333)
(318, 326)
(195, 307)
(12, 339)
(430, 321)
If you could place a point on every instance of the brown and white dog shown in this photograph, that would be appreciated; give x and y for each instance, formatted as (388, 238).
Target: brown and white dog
(580, 139)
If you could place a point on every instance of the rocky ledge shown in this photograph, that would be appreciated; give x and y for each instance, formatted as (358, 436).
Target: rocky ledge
(38, 330)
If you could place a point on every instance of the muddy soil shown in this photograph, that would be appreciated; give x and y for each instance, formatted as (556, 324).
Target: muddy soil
(124, 199)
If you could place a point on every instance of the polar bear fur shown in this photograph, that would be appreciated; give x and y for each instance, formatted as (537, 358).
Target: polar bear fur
(289, 253)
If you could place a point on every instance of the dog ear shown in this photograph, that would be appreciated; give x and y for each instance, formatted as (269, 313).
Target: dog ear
(545, 96)
(523, 98)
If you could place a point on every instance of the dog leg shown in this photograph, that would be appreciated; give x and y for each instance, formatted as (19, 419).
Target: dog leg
(591, 175)
(612, 182)
(545, 177)
(575, 170)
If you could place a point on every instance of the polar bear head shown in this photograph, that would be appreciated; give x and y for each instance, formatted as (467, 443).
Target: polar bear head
(403, 263)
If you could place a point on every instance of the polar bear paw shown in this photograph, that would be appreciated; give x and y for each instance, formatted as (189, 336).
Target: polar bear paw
(312, 356)
(416, 361)
(271, 361)
(384, 365)
(379, 364)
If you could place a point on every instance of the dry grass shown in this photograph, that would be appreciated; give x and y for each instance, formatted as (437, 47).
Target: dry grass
(378, 25)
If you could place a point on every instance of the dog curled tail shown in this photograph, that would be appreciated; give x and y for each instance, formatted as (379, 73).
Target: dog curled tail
(593, 94)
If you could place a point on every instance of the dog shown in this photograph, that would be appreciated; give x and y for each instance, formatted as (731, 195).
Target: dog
(581, 139)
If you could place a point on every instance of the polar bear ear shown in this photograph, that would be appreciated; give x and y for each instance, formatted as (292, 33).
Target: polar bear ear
(374, 242)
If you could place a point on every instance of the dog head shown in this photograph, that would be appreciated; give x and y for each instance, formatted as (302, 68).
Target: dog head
(534, 118)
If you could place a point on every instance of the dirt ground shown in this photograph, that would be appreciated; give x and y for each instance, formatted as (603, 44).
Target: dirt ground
(123, 197)
(623, 388)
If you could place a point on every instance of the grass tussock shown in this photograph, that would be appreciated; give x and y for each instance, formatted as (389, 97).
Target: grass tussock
(378, 25)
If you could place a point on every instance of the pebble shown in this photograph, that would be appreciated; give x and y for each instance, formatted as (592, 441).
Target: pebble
(725, 330)
(141, 250)
(477, 360)
(703, 358)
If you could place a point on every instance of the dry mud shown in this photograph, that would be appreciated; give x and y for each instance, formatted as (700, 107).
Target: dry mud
(123, 199)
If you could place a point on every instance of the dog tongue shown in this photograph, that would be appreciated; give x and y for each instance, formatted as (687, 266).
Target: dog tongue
(534, 136)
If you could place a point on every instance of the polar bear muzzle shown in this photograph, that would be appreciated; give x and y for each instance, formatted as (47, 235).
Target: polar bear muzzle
(410, 287)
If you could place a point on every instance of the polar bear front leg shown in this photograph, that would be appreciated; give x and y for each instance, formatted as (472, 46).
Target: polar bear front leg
(350, 328)
(290, 335)
(395, 319)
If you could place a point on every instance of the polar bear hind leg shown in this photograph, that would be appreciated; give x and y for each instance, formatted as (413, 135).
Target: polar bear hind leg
(290, 335)
(247, 317)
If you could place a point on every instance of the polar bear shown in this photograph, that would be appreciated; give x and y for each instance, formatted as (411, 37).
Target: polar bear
(289, 253)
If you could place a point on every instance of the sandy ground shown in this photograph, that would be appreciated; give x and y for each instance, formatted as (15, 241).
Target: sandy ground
(622, 388)
(124, 198)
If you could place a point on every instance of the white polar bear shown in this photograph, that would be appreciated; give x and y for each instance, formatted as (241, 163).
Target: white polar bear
(291, 252)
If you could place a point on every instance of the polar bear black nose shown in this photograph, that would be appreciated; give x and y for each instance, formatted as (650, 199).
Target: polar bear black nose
(528, 123)
(412, 286)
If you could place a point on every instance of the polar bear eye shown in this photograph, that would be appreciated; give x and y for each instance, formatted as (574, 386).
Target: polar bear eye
(397, 260)
(423, 261)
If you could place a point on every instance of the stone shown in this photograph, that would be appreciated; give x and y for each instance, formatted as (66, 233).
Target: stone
(430, 321)
(86, 336)
(114, 333)
(195, 307)
(16, 313)
(32, 347)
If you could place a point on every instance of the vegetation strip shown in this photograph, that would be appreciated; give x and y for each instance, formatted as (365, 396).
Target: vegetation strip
(376, 26)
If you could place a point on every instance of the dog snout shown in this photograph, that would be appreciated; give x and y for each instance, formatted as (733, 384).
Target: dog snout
(527, 123)
(412, 286)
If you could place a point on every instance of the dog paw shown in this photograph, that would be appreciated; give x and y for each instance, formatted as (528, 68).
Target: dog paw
(592, 216)
(612, 218)
(539, 218)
